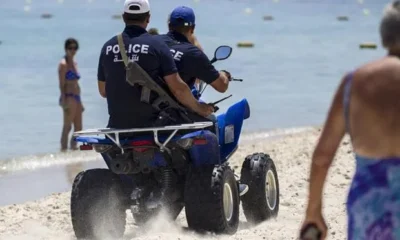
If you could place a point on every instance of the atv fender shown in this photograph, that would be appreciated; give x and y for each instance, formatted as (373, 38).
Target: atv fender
(207, 152)
(230, 125)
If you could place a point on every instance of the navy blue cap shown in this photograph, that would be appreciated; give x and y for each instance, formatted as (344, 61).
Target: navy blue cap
(182, 16)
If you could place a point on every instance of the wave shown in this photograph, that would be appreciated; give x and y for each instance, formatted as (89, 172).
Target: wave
(35, 162)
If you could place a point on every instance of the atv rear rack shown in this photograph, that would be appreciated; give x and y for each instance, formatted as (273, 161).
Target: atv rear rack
(116, 140)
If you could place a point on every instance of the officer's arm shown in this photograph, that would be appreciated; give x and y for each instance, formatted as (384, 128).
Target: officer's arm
(102, 88)
(101, 79)
(193, 39)
(182, 92)
(201, 67)
(221, 83)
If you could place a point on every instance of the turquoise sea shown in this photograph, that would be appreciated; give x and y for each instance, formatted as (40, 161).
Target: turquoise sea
(289, 75)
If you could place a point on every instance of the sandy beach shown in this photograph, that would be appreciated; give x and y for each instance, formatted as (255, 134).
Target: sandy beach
(49, 217)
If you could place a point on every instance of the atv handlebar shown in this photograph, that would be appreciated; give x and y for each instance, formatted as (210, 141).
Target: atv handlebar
(214, 104)
(236, 79)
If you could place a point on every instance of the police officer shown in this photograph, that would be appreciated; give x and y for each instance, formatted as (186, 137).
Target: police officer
(124, 105)
(191, 62)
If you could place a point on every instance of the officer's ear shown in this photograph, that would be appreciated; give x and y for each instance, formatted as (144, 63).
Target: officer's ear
(148, 18)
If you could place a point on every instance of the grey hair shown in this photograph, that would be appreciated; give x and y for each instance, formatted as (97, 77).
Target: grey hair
(390, 25)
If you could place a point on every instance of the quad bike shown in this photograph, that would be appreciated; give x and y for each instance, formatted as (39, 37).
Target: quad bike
(168, 168)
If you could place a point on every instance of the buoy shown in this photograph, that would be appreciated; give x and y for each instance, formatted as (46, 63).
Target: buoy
(46, 15)
(117, 16)
(268, 18)
(245, 44)
(248, 10)
(368, 45)
(342, 18)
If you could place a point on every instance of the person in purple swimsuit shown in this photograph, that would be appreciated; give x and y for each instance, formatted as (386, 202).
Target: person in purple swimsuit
(367, 106)
(70, 99)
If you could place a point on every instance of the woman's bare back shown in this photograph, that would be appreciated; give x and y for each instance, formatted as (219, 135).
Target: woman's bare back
(374, 112)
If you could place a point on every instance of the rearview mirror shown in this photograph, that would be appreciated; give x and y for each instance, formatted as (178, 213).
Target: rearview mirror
(221, 53)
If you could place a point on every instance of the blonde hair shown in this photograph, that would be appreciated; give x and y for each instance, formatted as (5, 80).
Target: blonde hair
(390, 25)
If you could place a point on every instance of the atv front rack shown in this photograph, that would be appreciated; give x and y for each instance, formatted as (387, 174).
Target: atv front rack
(116, 139)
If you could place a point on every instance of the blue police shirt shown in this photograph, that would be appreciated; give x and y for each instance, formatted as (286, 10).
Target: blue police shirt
(191, 62)
(124, 106)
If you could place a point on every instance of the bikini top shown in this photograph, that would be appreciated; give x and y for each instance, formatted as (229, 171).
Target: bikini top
(71, 75)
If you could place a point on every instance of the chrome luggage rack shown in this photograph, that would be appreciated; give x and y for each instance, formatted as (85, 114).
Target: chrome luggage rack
(116, 140)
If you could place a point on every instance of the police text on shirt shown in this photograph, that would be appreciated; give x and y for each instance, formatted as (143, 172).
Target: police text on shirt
(132, 48)
(176, 54)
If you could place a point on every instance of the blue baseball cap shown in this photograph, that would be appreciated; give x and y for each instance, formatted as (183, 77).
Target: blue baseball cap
(182, 16)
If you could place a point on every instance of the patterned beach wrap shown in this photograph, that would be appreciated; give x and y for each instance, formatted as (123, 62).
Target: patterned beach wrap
(373, 204)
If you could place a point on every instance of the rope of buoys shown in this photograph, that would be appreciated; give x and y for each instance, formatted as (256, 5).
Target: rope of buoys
(46, 15)
(268, 18)
(342, 18)
(245, 44)
(368, 45)
(116, 16)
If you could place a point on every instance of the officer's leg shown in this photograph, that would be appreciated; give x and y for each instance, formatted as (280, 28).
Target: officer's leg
(213, 118)
(197, 118)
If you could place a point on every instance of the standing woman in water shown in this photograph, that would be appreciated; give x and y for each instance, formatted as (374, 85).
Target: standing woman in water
(70, 99)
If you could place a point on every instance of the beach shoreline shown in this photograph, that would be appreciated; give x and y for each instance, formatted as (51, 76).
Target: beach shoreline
(37, 161)
(48, 217)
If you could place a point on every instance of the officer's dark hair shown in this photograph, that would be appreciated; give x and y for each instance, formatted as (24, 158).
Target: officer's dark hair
(70, 41)
(135, 18)
(180, 27)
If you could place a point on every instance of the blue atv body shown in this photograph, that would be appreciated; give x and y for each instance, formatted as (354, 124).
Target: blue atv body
(168, 168)
(214, 150)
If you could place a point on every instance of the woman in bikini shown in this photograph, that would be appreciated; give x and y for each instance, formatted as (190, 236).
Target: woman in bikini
(367, 106)
(70, 99)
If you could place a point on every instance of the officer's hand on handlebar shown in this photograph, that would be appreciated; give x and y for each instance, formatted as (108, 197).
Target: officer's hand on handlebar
(205, 109)
(227, 74)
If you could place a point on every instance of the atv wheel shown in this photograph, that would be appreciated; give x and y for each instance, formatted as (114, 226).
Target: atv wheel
(212, 199)
(261, 202)
(97, 205)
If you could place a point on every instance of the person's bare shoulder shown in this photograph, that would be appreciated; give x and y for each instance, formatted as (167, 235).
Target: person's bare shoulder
(383, 67)
(62, 64)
